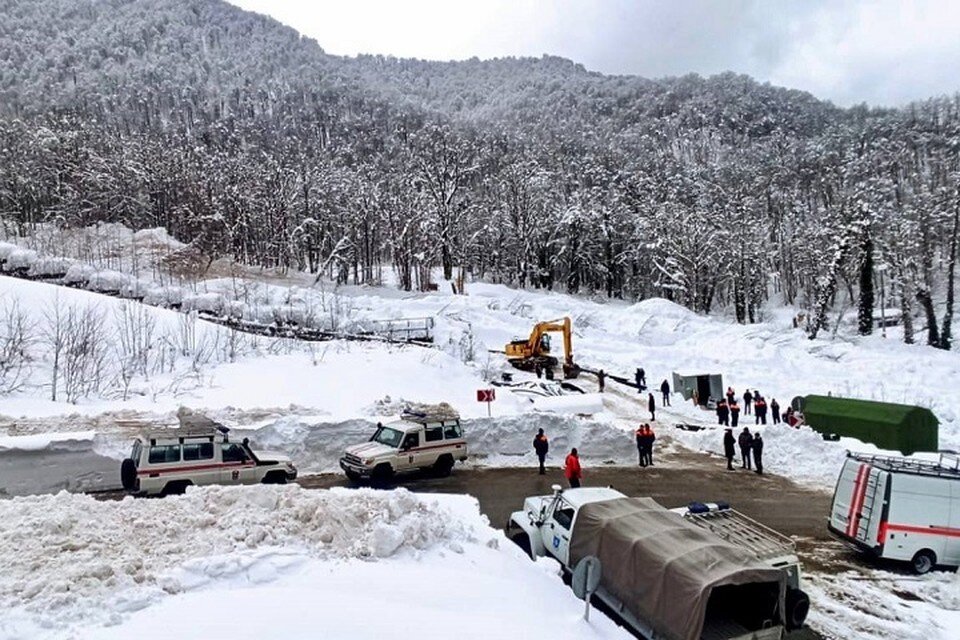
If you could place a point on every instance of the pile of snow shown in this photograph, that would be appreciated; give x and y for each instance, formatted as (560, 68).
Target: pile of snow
(165, 297)
(51, 266)
(49, 462)
(79, 273)
(72, 564)
(108, 281)
(20, 259)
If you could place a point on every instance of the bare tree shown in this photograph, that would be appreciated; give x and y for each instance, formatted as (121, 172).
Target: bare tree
(16, 337)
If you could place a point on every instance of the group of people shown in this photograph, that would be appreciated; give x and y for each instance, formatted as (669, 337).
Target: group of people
(571, 466)
(728, 411)
(645, 439)
(751, 449)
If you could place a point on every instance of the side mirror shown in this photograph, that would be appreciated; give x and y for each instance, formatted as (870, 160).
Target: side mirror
(556, 488)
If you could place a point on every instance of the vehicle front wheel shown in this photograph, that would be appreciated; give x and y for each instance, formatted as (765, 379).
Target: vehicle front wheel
(522, 540)
(924, 561)
(382, 475)
(353, 476)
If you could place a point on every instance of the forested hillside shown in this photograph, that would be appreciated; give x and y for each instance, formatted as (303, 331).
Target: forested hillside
(248, 141)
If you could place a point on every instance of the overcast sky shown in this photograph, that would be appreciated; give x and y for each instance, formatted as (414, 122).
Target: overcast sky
(884, 52)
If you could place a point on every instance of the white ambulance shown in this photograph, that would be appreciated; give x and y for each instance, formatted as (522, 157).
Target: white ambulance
(900, 509)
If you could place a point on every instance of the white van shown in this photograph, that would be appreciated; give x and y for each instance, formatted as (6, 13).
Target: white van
(900, 509)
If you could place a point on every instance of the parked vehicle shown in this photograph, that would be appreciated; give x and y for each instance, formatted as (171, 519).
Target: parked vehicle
(663, 573)
(418, 441)
(170, 461)
(900, 509)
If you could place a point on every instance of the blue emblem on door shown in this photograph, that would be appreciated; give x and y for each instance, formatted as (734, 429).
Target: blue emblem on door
(556, 542)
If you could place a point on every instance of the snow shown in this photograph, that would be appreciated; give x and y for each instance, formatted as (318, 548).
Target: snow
(288, 560)
(40, 441)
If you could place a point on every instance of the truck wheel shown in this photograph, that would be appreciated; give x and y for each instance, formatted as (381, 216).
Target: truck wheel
(353, 476)
(275, 477)
(798, 606)
(522, 540)
(382, 475)
(924, 561)
(128, 474)
(176, 488)
(444, 465)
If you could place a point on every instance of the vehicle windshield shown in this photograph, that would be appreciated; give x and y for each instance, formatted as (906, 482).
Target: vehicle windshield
(388, 436)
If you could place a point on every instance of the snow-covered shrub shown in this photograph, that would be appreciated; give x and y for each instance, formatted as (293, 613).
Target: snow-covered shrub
(20, 259)
(51, 267)
(6, 249)
(136, 288)
(207, 302)
(235, 310)
(108, 281)
(164, 296)
(79, 273)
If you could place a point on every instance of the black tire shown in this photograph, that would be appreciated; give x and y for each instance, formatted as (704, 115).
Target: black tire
(353, 476)
(382, 475)
(443, 466)
(275, 477)
(176, 488)
(924, 561)
(522, 540)
(798, 606)
(128, 474)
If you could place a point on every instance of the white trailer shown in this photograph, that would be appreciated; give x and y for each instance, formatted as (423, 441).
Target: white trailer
(900, 509)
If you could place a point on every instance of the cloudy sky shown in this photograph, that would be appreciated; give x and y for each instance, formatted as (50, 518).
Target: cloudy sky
(884, 52)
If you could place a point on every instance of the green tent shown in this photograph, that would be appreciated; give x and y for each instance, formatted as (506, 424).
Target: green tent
(895, 427)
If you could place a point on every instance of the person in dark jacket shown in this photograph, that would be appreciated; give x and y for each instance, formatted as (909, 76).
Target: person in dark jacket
(734, 414)
(537, 369)
(601, 379)
(757, 450)
(665, 390)
(760, 409)
(775, 411)
(571, 468)
(731, 396)
(640, 377)
(541, 446)
(747, 401)
(746, 442)
(641, 445)
(723, 413)
(652, 406)
(729, 447)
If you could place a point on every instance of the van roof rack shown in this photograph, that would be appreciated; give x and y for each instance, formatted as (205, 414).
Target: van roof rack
(741, 530)
(948, 466)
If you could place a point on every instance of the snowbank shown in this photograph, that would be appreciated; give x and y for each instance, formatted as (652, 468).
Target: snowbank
(283, 554)
(49, 462)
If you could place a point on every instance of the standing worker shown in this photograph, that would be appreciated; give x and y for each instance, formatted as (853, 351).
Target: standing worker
(641, 379)
(729, 447)
(572, 470)
(747, 401)
(775, 411)
(665, 390)
(731, 395)
(757, 450)
(723, 413)
(601, 379)
(734, 414)
(541, 446)
(650, 437)
(641, 445)
(652, 406)
(537, 369)
(760, 409)
(746, 442)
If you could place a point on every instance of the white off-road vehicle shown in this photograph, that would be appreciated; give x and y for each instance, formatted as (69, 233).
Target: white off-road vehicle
(420, 440)
(168, 462)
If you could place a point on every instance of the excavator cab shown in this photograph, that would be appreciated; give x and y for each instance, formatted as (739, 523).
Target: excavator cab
(545, 343)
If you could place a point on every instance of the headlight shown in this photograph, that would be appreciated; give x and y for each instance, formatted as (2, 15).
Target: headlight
(369, 461)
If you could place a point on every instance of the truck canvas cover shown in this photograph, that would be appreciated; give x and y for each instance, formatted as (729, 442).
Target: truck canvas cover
(661, 567)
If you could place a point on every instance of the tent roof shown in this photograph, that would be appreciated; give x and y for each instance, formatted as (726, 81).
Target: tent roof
(867, 410)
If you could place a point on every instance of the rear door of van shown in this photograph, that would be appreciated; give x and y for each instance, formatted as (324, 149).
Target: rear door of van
(858, 503)
(918, 517)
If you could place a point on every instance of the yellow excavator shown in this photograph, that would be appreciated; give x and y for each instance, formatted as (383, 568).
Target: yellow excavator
(535, 351)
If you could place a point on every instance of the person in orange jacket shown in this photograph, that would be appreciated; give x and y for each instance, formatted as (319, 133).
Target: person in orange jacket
(571, 468)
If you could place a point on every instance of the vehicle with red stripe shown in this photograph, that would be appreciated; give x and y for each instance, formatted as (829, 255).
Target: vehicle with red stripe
(430, 439)
(168, 462)
(900, 509)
